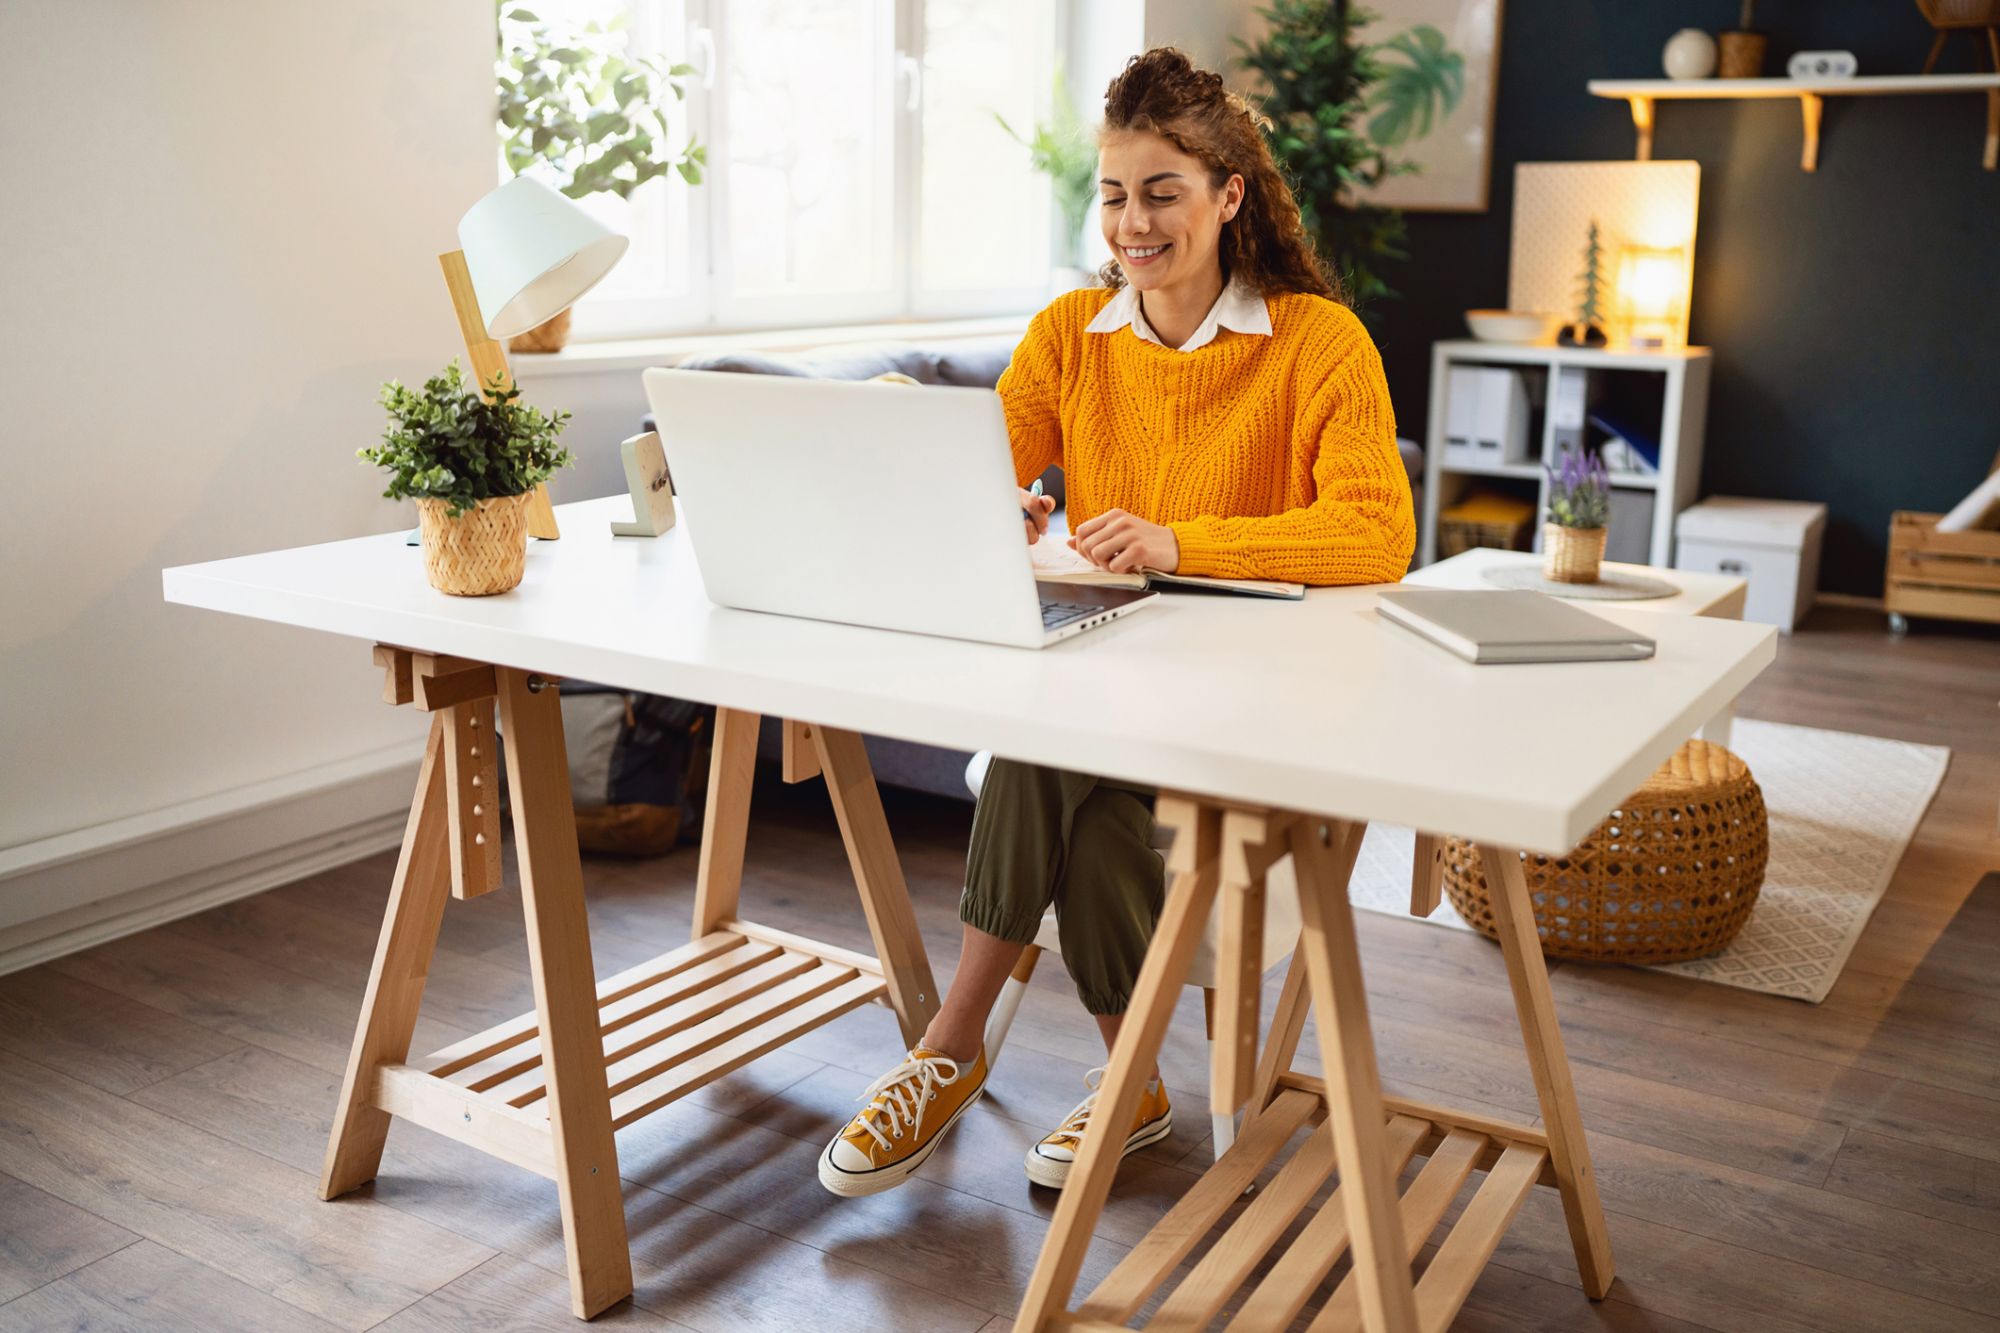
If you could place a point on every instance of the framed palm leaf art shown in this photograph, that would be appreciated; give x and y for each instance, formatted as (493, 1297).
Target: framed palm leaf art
(1430, 103)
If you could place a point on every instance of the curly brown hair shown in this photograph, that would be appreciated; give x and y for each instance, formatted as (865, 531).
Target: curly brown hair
(1265, 244)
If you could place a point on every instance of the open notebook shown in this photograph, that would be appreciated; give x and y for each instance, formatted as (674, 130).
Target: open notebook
(1055, 562)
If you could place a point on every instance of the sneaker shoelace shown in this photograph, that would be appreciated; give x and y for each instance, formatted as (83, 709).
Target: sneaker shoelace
(899, 1097)
(1070, 1132)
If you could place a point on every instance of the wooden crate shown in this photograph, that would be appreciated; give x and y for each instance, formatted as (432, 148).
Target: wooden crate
(1949, 575)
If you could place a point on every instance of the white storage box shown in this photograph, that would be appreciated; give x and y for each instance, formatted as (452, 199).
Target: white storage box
(1772, 543)
(1486, 417)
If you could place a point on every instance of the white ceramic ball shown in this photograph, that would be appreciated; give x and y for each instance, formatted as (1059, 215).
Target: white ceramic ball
(1690, 54)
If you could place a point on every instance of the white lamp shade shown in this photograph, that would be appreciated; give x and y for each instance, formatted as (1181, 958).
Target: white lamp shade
(531, 253)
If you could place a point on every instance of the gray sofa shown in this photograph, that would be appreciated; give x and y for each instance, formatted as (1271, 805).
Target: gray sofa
(974, 362)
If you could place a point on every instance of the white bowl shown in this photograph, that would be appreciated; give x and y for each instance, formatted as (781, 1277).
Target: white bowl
(1513, 326)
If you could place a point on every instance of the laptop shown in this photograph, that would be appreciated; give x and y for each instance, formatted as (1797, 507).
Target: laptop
(865, 503)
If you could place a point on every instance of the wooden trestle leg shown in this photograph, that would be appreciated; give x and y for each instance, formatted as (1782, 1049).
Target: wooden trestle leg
(395, 983)
(547, 1090)
(1528, 972)
(586, 1154)
(1368, 1138)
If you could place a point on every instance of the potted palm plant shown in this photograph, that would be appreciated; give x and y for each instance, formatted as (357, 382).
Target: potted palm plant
(471, 462)
(1334, 107)
(587, 116)
(1579, 509)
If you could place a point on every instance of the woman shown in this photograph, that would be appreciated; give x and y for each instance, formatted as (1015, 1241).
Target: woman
(1215, 411)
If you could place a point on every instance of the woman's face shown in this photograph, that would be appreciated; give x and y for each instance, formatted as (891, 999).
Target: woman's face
(1161, 217)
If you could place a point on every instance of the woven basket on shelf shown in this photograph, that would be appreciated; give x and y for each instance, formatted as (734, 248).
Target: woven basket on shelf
(1670, 875)
(481, 552)
(1484, 518)
(1572, 555)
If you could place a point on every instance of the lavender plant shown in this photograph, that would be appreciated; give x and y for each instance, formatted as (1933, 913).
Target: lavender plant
(1579, 491)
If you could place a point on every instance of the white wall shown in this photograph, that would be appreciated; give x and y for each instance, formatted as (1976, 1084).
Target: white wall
(219, 235)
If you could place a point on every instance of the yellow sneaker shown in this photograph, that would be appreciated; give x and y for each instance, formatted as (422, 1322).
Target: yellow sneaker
(1049, 1161)
(909, 1109)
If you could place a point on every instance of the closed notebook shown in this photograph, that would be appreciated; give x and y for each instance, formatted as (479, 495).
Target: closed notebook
(1509, 626)
(1055, 562)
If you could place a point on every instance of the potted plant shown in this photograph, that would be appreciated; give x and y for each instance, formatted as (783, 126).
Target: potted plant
(470, 461)
(1579, 508)
(1333, 108)
(592, 119)
(1741, 49)
(1064, 151)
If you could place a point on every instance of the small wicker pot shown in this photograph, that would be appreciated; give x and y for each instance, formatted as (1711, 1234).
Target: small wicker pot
(1740, 54)
(481, 552)
(1572, 555)
(1669, 876)
(550, 336)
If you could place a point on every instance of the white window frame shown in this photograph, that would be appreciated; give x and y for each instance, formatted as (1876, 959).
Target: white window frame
(710, 305)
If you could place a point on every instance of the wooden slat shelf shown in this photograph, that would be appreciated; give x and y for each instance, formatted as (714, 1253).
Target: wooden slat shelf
(1512, 1158)
(1642, 93)
(669, 1025)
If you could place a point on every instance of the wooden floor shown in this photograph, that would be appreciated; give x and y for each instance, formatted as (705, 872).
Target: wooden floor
(1766, 1164)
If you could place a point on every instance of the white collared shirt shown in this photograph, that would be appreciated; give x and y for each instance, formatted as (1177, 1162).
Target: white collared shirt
(1239, 307)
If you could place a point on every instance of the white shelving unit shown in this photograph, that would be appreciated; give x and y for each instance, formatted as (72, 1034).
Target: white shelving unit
(1683, 420)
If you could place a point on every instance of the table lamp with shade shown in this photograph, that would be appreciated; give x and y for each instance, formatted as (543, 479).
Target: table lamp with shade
(527, 254)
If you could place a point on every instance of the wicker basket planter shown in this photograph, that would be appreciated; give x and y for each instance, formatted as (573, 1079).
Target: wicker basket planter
(1671, 875)
(1572, 555)
(481, 552)
(550, 336)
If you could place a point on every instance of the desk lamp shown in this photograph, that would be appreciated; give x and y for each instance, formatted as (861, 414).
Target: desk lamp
(527, 255)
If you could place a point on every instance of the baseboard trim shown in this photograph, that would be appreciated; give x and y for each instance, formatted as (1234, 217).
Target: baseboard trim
(83, 888)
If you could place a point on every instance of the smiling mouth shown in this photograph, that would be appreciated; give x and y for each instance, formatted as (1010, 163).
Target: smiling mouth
(1144, 254)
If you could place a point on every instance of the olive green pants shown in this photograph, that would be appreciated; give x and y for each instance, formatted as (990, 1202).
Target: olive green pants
(1042, 836)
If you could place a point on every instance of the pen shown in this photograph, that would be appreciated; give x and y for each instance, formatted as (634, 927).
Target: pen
(1036, 491)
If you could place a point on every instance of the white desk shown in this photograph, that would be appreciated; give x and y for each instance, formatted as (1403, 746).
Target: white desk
(1272, 728)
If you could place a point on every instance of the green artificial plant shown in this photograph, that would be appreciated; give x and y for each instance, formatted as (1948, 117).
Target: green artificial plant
(593, 114)
(446, 443)
(1064, 151)
(1335, 105)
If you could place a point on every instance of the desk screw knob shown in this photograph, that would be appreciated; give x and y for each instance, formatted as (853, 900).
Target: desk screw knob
(536, 684)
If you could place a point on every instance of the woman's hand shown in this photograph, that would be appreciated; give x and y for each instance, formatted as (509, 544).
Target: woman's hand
(1035, 511)
(1123, 543)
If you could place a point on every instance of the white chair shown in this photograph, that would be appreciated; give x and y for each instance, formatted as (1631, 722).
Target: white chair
(1281, 936)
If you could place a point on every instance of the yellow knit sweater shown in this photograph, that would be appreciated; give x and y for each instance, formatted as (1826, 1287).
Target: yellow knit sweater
(1269, 457)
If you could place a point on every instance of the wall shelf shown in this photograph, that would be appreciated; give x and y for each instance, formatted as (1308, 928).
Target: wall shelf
(1642, 93)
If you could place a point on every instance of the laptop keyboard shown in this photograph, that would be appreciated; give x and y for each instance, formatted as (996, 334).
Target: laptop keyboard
(1057, 614)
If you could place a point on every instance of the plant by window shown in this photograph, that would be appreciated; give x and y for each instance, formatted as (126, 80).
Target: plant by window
(446, 443)
(596, 116)
(1579, 491)
(1064, 151)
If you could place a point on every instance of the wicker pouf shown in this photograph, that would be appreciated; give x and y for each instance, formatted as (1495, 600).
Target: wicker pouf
(1670, 875)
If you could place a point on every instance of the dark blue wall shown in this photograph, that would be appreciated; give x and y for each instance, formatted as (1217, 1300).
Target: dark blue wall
(1854, 313)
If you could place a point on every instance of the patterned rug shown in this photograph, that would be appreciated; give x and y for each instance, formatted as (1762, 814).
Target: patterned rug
(1842, 808)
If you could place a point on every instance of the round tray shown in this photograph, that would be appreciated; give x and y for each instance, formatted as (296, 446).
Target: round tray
(1611, 585)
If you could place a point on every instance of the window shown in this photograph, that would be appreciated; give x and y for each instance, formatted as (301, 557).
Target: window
(857, 169)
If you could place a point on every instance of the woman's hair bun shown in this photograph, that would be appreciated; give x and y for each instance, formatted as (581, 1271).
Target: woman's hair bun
(1162, 84)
